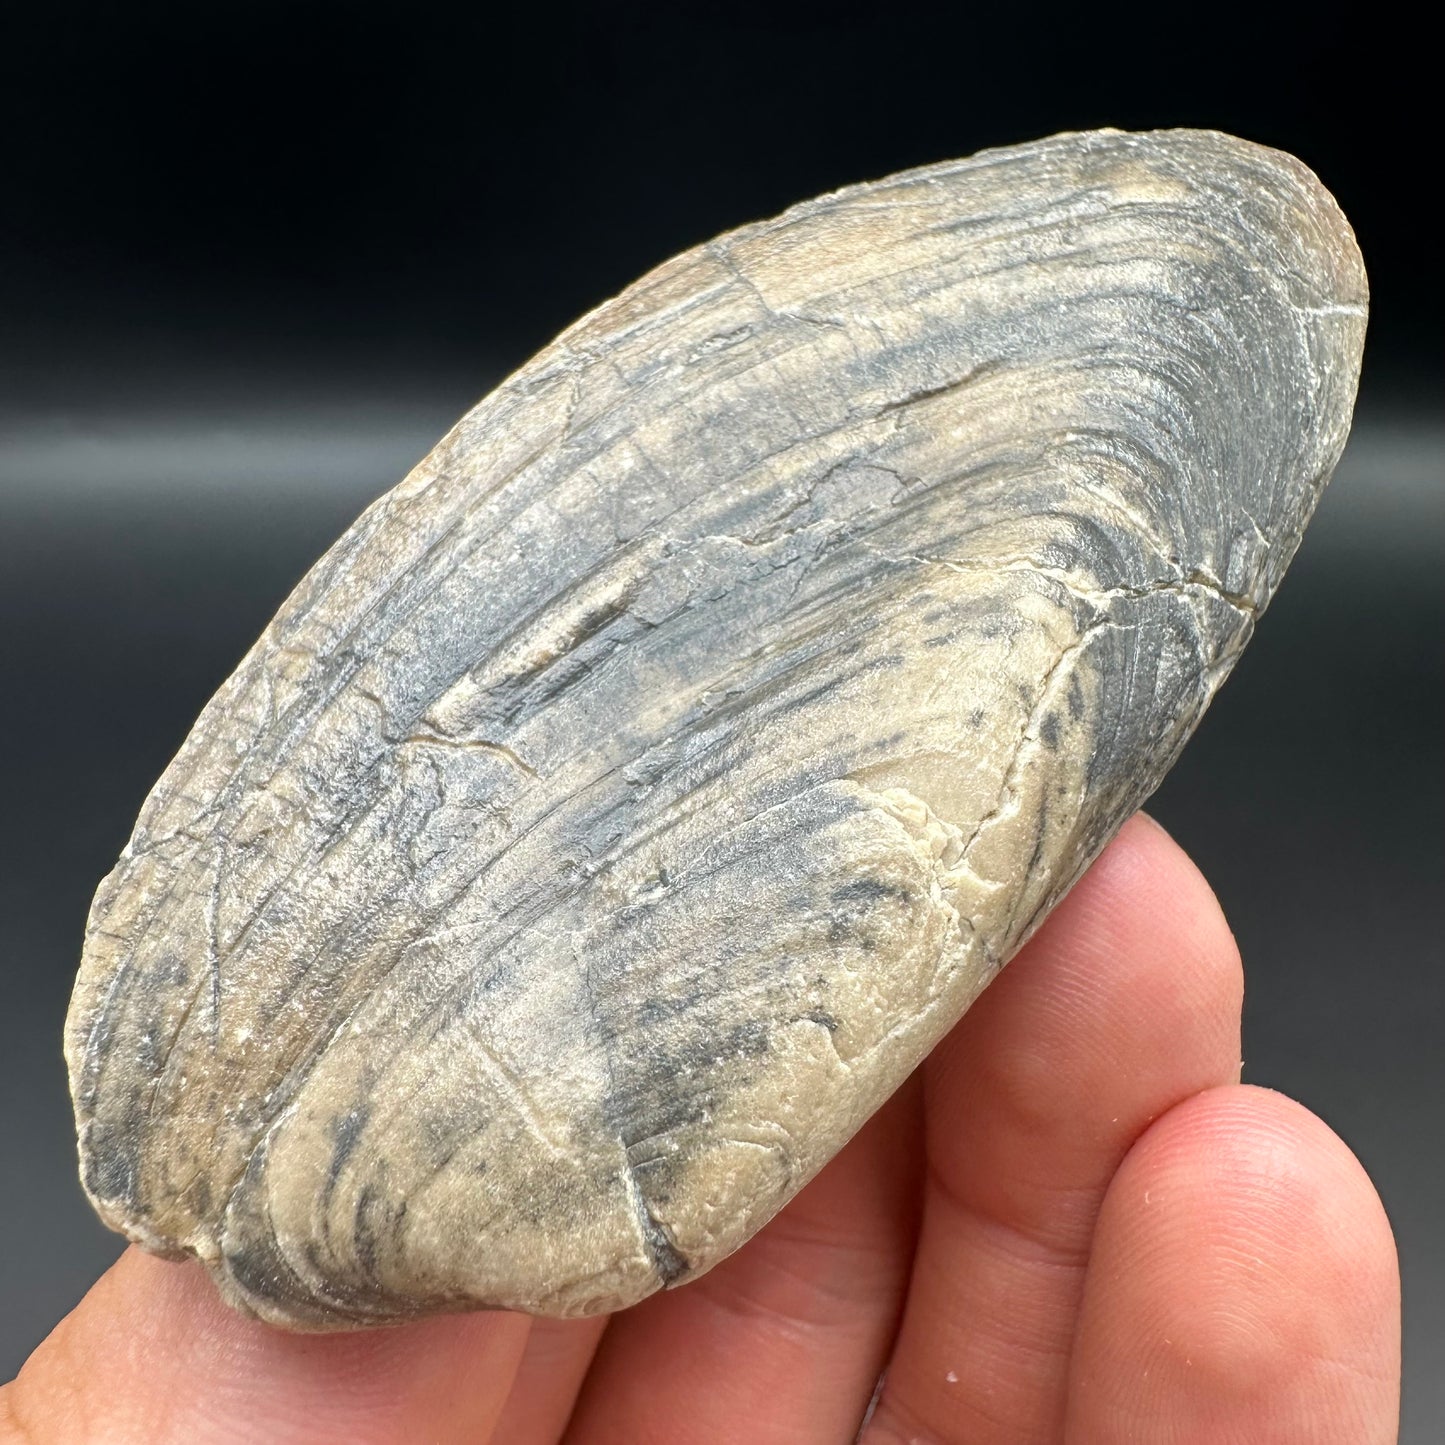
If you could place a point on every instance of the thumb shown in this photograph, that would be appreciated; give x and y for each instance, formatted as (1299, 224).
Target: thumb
(152, 1356)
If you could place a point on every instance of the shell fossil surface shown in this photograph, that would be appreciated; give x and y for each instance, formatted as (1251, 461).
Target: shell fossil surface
(630, 799)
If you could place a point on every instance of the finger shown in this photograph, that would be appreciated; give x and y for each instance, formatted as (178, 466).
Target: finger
(784, 1340)
(1127, 1001)
(151, 1357)
(1243, 1287)
(545, 1387)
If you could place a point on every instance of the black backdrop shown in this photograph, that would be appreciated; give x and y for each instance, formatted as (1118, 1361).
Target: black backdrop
(254, 258)
(416, 183)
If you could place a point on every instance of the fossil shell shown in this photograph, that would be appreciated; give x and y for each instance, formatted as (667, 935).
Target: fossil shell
(620, 810)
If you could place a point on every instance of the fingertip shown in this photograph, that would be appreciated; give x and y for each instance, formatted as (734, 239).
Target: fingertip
(1127, 1000)
(1243, 1285)
(1145, 877)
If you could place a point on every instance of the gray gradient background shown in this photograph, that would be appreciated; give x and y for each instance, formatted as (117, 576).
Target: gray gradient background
(235, 305)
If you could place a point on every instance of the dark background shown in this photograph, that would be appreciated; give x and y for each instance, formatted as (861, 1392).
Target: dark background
(255, 259)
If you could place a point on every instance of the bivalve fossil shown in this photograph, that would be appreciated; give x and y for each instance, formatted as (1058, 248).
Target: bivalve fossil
(630, 799)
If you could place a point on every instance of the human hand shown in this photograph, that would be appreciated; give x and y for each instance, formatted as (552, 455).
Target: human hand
(1073, 1225)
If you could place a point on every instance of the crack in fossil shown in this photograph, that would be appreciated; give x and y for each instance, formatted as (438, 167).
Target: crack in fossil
(724, 257)
(471, 745)
(971, 377)
(1097, 597)
(1030, 734)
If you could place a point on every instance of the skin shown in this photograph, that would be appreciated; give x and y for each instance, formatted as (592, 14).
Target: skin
(1074, 1225)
